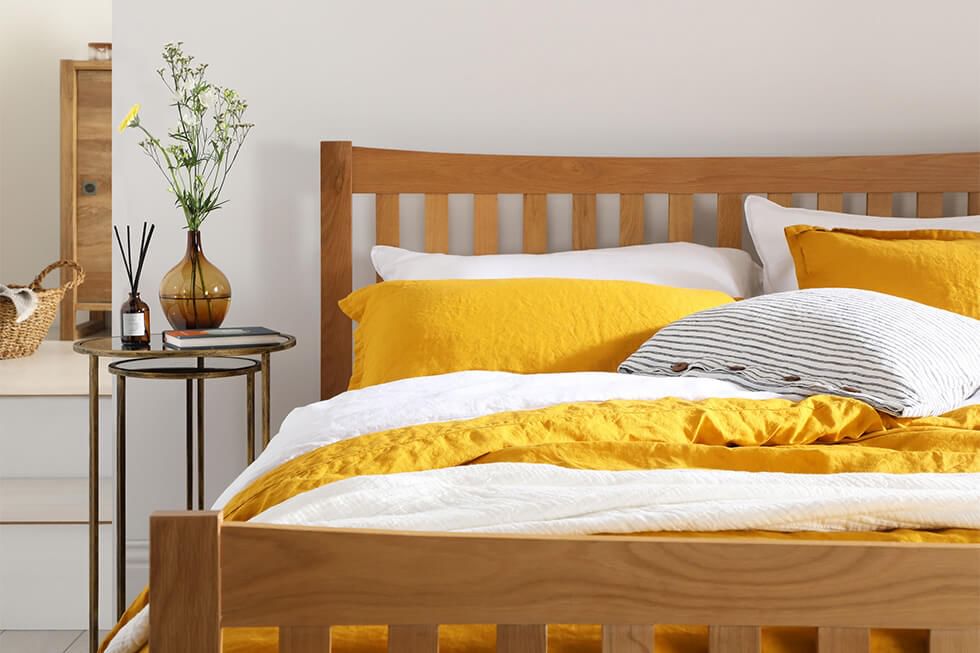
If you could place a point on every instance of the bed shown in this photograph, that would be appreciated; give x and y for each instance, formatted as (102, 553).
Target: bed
(302, 583)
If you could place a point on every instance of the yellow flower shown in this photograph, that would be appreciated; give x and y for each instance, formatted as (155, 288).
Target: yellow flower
(130, 117)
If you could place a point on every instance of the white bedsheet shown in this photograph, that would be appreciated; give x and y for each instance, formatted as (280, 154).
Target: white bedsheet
(550, 500)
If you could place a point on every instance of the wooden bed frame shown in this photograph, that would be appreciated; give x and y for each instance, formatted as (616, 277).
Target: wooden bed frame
(205, 574)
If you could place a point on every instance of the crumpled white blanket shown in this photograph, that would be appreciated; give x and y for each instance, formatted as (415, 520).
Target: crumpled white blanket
(23, 299)
(550, 500)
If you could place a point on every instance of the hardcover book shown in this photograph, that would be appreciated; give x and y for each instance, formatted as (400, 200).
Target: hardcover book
(224, 337)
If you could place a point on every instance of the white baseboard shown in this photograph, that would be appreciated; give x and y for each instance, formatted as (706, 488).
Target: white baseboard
(137, 567)
(138, 554)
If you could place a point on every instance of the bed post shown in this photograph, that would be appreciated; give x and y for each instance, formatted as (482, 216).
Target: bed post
(335, 265)
(185, 582)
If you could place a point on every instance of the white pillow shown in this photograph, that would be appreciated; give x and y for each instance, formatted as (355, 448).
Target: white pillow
(683, 265)
(767, 220)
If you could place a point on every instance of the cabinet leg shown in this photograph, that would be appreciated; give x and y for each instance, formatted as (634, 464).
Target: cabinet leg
(120, 495)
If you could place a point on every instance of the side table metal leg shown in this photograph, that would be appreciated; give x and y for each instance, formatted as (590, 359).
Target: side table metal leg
(200, 444)
(120, 495)
(266, 435)
(189, 454)
(93, 502)
(250, 416)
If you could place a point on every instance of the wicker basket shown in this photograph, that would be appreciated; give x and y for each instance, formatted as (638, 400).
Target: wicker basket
(19, 340)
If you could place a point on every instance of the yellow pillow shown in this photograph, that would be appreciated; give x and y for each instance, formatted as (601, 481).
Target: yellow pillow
(417, 328)
(931, 266)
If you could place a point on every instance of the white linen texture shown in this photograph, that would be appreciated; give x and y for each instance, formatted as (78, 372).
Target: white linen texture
(682, 265)
(549, 500)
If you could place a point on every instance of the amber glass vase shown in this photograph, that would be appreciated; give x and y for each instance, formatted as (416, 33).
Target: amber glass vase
(195, 294)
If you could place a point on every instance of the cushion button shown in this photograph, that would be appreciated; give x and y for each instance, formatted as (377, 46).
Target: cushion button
(848, 388)
(678, 367)
(736, 368)
(791, 377)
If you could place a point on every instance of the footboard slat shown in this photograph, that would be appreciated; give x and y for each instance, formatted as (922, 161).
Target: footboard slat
(422, 638)
(735, 639)
(304, 639)
(531, 638)
(950, 640)
(843, 640)
(627, 639)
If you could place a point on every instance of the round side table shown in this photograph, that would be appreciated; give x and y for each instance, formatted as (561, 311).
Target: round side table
(161, 362)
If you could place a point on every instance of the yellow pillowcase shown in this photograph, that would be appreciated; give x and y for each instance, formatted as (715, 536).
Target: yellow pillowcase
(931, 266)
(417, 328)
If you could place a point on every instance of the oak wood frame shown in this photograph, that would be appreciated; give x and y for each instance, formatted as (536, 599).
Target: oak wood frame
(345, 170)
(206, 574)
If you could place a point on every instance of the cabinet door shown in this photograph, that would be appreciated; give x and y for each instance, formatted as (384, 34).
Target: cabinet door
(93, 189)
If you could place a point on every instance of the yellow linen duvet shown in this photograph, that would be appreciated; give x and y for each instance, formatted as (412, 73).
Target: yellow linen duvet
(820, 435)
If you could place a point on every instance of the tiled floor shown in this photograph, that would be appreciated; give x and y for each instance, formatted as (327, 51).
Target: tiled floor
(44, 641)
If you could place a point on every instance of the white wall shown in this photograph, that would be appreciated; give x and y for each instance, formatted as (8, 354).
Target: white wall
(34, 36)
(549, 76)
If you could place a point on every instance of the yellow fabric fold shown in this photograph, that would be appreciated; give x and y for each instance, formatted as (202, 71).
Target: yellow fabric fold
(818, 435)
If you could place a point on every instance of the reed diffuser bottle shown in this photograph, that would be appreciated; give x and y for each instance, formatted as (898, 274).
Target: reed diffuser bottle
(134, 319)
(134, 314)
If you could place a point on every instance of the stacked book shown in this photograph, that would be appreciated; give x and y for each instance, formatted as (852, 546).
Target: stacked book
(226, 338)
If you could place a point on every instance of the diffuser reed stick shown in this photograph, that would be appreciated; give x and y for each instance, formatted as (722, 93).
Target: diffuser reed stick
(134, 315)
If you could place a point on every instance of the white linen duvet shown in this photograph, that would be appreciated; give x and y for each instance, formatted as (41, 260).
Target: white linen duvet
(543, 499)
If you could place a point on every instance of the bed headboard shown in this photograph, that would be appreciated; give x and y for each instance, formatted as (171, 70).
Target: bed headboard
(345, 170)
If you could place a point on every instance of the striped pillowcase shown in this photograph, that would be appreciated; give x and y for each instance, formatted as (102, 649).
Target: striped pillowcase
(902, 357)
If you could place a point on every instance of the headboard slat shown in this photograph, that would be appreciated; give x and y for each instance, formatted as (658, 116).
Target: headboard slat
(782, 199)
(387, 227)
(584, 228)
(830, 202)
(535, 223)
(879, 204)
(485, 221)
(973, 203)
(929, 205)
(680, 217)
(730, 218)
(437, 223)
(631, 219)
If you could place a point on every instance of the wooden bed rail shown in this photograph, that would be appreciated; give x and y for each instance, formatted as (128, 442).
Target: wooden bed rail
(205, 574)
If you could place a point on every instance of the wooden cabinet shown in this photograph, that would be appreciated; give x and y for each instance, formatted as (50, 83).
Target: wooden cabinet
(86, 193)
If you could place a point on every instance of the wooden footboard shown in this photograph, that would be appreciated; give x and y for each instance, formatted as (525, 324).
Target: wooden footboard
(205, 575)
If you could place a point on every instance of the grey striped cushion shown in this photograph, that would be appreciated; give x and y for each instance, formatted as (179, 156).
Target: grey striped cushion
(901, 357)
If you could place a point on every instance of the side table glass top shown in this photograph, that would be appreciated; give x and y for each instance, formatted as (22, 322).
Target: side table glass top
(113, 347)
